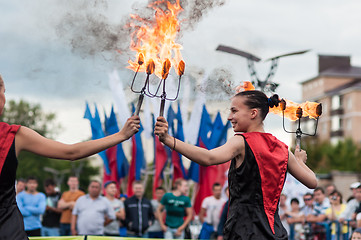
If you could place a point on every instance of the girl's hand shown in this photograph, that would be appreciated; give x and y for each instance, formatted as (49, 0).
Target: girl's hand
(301, 155)
(161, 128)
(131, 127)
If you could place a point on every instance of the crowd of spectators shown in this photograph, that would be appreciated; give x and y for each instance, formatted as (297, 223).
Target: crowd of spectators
(75, 212)
(323, 212)
(169, 214)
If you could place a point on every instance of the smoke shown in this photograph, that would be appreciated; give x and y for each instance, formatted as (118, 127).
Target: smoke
(89, 27)
(195, 10)
(219, 85)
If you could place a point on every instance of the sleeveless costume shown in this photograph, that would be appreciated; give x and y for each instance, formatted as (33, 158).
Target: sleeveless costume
(255, 188)
(11, 220)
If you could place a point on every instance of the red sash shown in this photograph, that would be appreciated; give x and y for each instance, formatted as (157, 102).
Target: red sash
(272, 158)
(7, 135)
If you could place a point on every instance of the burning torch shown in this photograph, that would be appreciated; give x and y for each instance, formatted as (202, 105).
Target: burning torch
(165, 73)
(299, 113)
(149, 70)
(154, 40)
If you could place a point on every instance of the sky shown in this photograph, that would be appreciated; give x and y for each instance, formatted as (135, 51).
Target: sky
(59, 53)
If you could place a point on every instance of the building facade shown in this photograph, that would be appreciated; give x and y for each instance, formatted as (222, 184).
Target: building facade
(338, 87)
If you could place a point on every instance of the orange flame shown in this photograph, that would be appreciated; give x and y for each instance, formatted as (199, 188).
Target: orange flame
(181, 67)
(245, 86)
(156, 39)
(166, 68)
(292, 110)
(150, 67)
(309, 109)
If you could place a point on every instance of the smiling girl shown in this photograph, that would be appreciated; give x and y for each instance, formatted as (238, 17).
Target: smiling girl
(259, 162)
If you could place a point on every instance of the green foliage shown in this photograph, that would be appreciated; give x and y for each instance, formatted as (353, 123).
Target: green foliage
(29, 115)
(32, 116)
(343, 156)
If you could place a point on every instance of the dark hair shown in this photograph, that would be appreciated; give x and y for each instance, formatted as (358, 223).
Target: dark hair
(338, 193)
(31, 178)
(257, 99)
(21, 180)
(216, 184)
(357, 230)
(295, 200)
(160, 188)
(319, 189)
(308, 194)
(49, 182)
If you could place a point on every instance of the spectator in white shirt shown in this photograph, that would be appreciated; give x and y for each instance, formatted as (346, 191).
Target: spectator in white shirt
(91, 211)
(210, 213)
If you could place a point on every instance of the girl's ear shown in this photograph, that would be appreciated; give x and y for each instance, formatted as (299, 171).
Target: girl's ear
(254, 113)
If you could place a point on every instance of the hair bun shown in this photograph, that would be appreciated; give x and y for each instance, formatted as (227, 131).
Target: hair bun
(273, 101)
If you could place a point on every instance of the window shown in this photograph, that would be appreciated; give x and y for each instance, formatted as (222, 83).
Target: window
(336, 102)
(336, 123)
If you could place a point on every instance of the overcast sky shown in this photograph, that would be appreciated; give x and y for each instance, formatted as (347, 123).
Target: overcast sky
(48, 57)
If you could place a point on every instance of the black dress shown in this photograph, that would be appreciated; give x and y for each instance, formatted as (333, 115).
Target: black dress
(11, 220)
(255, 189)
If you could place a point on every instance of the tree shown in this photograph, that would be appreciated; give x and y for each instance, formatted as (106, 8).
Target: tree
(324, 157)
(32, 116)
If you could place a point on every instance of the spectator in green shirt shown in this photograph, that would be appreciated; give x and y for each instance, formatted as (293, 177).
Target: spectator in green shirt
(177, 206)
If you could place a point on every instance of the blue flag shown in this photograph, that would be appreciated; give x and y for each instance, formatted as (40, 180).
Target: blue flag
(219, 132)
(111, 127)
(203, 141)
(97, 132)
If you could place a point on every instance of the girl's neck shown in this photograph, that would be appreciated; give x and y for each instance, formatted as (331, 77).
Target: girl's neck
(258, 128)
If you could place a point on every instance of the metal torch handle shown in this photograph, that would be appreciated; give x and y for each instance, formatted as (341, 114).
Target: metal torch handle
(161, 112)
(139, 105)
(298, 142)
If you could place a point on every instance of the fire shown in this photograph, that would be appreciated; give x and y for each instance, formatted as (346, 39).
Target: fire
(309, 109)
(245, 86)
(292, 110)
(155, 40)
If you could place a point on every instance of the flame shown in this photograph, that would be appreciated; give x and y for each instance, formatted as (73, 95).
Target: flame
(245, 86)
(156, 39)
(308, 109)
(181, 67)
(150, 67)
(166, 68)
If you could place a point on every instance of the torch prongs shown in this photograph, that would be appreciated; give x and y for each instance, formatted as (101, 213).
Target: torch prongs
(149, 70)
(299, 113)
(140, 63)
(180, 72)
(165, 72)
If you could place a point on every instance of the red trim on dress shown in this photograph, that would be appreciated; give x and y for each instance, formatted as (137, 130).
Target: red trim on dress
(272, 158)
(7, 135)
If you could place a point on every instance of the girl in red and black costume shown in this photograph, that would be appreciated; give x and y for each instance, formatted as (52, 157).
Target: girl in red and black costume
(15, 138)
(259, 162)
